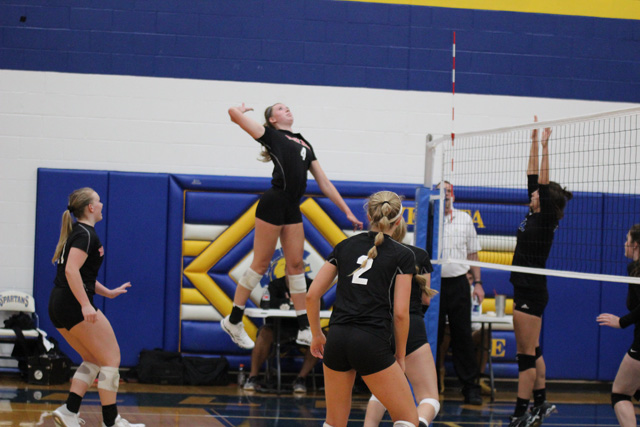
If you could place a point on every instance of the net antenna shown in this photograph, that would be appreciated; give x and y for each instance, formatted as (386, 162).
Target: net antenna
(595, 157)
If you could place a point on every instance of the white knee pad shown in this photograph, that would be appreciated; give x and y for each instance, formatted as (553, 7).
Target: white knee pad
(326, 425)
(297, 284)
(433, 402)
(373, 398)
(422, 421)
(250, 279)
(403, 424)
(87, 373)
(109, 378)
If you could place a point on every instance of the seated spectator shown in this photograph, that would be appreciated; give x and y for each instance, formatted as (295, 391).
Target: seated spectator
(277, 296)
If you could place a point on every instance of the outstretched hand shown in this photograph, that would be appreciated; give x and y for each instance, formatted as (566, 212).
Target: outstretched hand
(534, 132)
(606, 319)
(122, 289)
(546, 133)
(243, 109)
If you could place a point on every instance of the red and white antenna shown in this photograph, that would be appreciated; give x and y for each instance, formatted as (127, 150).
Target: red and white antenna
(453, 92)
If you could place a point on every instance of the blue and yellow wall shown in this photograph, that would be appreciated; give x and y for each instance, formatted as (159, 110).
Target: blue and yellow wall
(576, 50)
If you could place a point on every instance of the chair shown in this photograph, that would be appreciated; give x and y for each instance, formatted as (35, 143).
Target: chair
(12, 302)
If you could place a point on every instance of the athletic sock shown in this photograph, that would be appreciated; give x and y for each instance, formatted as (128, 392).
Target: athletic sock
(521, 407)
(73, 402)
(109, 414)
(539, 396)
(303, 321)
(236, 314)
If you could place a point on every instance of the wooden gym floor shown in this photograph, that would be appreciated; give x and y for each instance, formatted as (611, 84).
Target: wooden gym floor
(21, 404)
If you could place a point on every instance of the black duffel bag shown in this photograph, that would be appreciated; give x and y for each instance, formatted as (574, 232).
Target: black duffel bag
(160, 367)
(206, 370)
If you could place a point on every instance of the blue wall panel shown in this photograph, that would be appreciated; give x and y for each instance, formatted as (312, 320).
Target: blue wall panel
(354, 44)
(136, 252)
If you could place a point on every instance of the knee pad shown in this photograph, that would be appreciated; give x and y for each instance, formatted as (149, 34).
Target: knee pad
(617, 397)
(403, 424)
(297, 284)
(87, 372)
(433, 402)
(525, 362)
(422, 422)
(326, 425)
(250, 279)
(538, 353)
(109, 378)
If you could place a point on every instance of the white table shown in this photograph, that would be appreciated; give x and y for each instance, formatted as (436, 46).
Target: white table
(277, 315)
(486, 324)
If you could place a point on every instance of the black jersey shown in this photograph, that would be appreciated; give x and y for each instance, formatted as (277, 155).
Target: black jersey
(292, 156)
(633, 303)
(364, 298)
(534, 237)
(423, 264)
(85, 238)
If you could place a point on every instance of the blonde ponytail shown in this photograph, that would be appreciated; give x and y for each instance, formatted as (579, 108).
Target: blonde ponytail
(78, 200)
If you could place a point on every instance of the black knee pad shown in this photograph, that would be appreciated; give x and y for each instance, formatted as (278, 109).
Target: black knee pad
(538, 353)
(617, 397)
(525, 361)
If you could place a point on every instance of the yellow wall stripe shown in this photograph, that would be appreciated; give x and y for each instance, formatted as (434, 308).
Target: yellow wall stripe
(194, 247)
(503, 258)
(322, 222)
(216, 296)
(193, 296)
(489, 304)
(620, 9)
(225, 241)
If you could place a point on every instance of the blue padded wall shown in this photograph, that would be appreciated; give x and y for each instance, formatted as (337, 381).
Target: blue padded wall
(136, 251)
(54, 187)
(347, 44)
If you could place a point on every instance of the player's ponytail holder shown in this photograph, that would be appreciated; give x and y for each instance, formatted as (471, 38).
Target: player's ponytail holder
(397, 217)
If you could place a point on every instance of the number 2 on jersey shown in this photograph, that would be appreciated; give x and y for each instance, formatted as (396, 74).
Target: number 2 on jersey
(356, 276)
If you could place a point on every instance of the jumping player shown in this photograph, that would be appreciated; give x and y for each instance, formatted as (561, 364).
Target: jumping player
(79, 255)
(278, 214)
(364, 322)
(420, 367)
(530, 296)
(627, 380)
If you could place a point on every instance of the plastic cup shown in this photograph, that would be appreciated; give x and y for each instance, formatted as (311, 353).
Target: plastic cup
(501, 301)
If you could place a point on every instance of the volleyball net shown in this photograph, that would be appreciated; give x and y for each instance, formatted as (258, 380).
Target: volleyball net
(595, 157)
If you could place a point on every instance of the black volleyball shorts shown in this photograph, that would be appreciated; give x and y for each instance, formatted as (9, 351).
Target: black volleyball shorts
(278, 208)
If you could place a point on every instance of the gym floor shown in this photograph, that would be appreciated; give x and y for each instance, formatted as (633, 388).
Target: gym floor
(579, 405)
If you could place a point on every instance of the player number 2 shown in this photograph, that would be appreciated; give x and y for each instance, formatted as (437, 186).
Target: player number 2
(356, 276)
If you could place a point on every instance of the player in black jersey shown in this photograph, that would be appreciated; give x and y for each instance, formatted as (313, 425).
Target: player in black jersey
(530, 295)
(627, 380)
(364, 322)
(420, 367)
(79, 255)
(278, 214)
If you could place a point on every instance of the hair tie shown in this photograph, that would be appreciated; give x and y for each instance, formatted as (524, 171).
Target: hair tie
(395, 218)
(69, 208)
